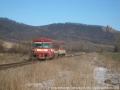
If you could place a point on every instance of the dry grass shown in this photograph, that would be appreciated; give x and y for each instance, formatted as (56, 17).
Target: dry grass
(11, 58)
(111, 61)
(64, 72)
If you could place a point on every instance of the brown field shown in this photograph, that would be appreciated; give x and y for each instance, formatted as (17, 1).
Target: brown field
(87, 71)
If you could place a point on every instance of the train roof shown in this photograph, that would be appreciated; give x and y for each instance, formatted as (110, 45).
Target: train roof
(42, 40)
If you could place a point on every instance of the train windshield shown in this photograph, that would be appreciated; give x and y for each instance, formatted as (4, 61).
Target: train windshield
(42, 45)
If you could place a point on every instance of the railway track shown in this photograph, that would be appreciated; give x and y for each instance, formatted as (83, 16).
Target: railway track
(27, 62)
(13, 65)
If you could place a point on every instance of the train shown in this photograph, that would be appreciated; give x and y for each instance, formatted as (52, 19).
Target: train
(46, 48)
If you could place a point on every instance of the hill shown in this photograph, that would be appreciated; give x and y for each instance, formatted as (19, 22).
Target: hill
(73, 33)
(76, 32)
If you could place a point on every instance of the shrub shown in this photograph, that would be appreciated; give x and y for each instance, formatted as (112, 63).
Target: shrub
(19, 48)
(1, 47)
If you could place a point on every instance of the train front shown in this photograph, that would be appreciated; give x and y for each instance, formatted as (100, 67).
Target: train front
(42, 48)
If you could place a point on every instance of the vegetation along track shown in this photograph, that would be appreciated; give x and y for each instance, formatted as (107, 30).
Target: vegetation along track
(29, 61)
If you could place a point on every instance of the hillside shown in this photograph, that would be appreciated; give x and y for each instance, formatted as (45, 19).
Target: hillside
(74, 33)
(12, 30)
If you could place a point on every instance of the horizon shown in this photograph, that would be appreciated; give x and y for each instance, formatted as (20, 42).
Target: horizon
(60, 23)
(39, 12)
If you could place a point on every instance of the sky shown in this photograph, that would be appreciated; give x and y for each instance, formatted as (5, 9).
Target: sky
(42, 12)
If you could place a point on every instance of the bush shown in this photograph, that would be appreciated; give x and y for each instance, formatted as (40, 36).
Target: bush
(22, 49)
(1, 47)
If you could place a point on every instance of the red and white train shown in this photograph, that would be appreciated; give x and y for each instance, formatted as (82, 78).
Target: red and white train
(45, 48)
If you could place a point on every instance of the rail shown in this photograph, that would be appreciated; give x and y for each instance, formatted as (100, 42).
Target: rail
(29, 61)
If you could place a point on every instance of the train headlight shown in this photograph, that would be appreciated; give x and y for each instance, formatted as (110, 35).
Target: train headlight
(38, 50)
(45, 50)
(52, 50)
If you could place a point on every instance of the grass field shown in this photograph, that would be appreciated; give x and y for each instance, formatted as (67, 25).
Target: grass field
(114, 56)
(82, 71)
